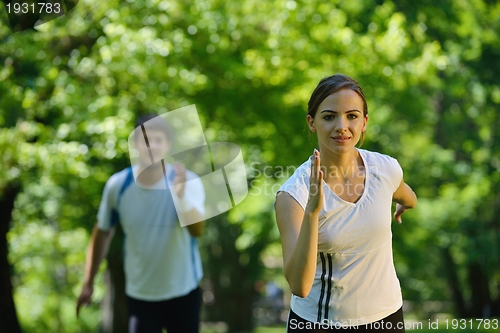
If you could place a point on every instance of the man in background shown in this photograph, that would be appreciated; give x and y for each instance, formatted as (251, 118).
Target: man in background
(162, 260)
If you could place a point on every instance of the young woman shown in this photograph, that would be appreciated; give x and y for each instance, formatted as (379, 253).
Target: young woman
(334, 218)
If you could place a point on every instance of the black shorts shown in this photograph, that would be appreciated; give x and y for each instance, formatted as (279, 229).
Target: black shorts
(393, 323)
(177, 315)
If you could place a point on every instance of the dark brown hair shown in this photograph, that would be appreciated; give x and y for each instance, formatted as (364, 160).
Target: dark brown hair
(330, 85)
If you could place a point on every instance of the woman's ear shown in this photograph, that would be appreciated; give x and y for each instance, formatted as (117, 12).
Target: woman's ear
(364, 125)
(310, 123)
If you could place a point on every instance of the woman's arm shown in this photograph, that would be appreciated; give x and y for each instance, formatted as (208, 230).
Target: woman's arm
(299, 233)
(405, 199)
(299, 240)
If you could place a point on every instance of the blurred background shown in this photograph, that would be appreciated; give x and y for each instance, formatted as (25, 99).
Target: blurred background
(71, 90)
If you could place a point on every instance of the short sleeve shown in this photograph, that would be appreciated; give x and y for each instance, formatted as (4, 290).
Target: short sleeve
(108, 203)
(396, 174)
(297, 186)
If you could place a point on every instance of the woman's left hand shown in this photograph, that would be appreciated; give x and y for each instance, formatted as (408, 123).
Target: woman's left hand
(400, 209)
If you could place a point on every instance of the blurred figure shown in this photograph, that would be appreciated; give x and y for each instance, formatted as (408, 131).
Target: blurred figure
(162, 260)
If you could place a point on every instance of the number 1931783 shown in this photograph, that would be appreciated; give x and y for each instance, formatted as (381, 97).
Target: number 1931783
(34, 8)
(472, 324)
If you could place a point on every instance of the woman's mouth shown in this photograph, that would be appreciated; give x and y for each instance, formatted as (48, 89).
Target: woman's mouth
(341, 139)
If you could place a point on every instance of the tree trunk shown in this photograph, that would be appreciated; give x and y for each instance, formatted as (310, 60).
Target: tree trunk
(240, 316)
(231, 281)
(114, 305)
(233, 278)
(8, 316)
(495, 307)
(479, 285)
(234, 299)
(452, 277)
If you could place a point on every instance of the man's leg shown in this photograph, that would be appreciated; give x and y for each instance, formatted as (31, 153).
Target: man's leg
(183, 313)
(144, 317)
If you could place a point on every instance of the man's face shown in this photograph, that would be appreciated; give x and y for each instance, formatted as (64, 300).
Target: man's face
(158, 146)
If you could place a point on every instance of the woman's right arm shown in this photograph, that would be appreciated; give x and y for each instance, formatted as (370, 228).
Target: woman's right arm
(299, 233)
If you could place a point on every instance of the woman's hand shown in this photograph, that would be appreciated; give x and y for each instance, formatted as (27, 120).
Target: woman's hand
(405, 199)
(400, 209)
(315, 201)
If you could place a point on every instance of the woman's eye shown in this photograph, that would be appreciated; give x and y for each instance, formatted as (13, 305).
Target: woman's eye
(352, 116)
(329, 117)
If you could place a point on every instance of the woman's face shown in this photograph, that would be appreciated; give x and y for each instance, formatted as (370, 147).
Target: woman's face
(339, 121)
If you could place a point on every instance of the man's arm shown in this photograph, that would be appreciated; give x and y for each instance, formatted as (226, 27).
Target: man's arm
(190, 213)
(97, 250)
(196, 229)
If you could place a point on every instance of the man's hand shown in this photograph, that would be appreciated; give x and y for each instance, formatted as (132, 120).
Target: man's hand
(189, 213)
(180, 179)
(85, 296)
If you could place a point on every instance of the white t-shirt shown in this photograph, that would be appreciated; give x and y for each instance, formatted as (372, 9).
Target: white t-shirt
(162, 260)
(355, 281)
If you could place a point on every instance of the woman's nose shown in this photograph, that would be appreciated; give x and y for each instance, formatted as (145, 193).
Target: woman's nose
(341, 124)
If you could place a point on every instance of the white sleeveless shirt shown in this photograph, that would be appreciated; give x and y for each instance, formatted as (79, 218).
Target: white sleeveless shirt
(355, 281)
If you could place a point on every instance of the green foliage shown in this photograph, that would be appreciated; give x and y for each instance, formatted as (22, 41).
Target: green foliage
(48, 268)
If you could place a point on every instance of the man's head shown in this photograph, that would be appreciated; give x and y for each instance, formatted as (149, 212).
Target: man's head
(152, 138)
